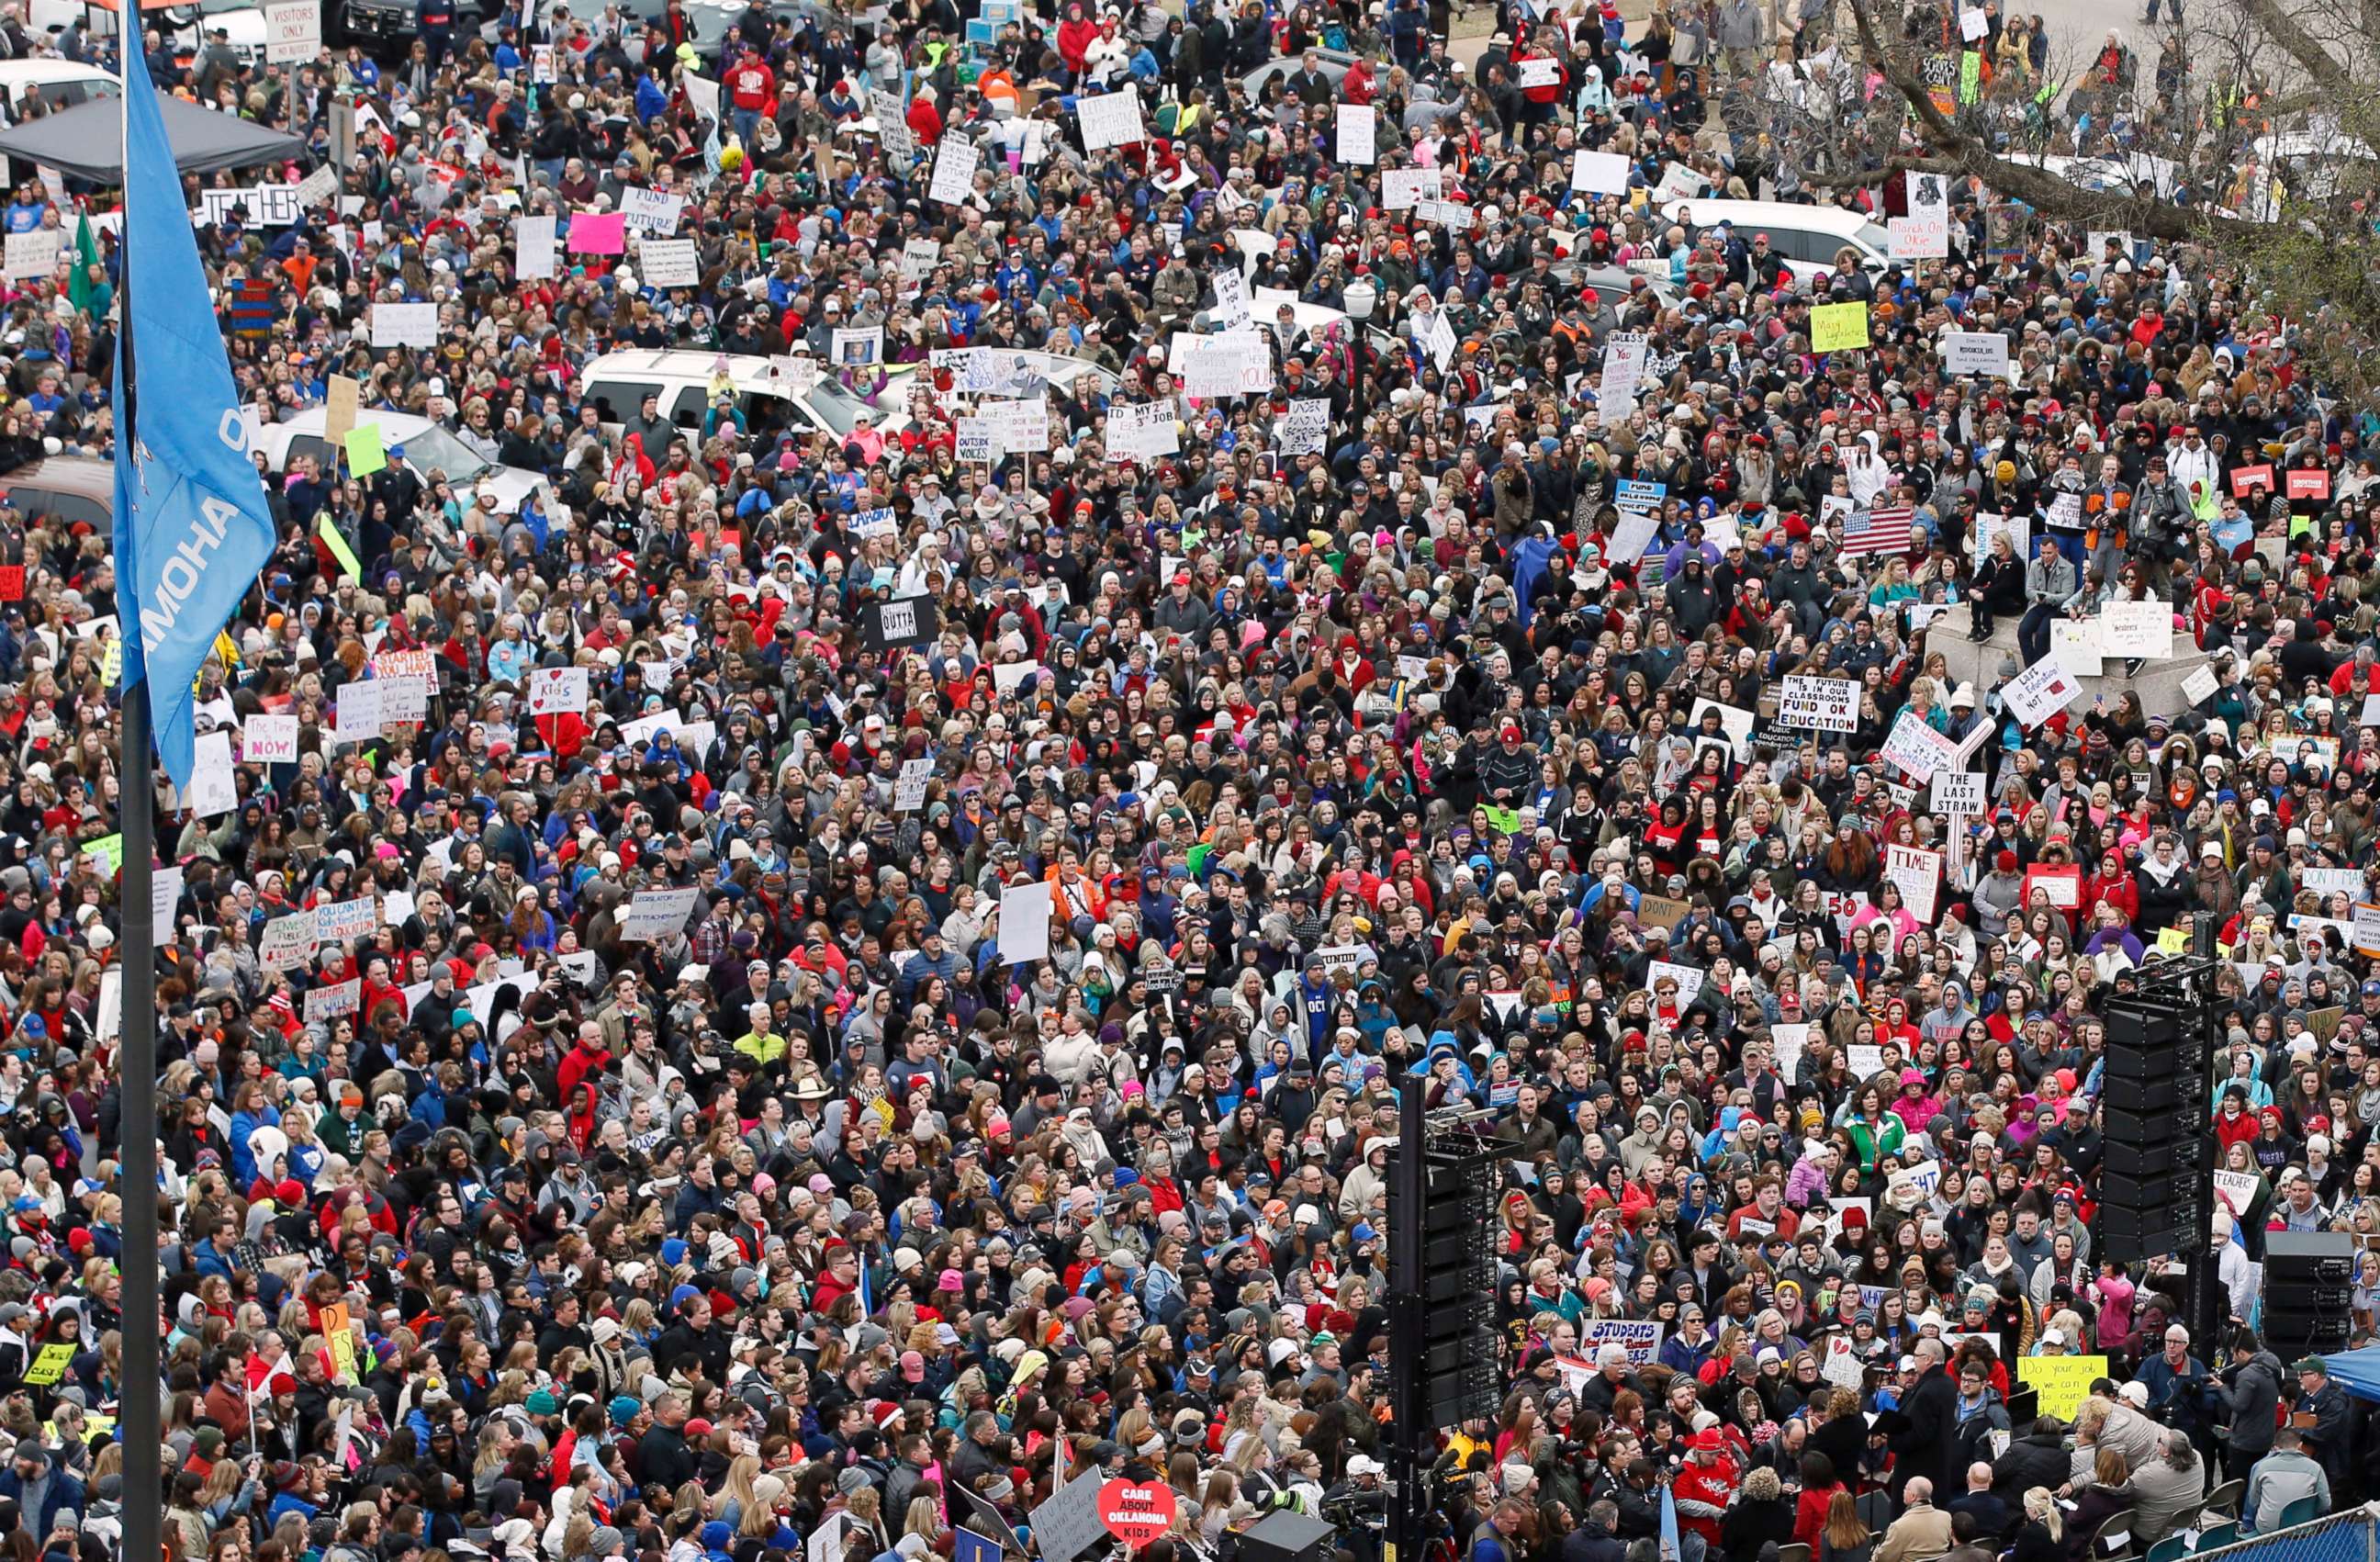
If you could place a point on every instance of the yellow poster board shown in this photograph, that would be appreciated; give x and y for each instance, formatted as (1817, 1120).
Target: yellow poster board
(2063, 1381)
(1838, 328)
(50, 1365)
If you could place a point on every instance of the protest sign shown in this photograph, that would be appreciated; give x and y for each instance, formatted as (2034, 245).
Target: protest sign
(405, 325)
(1357, 125)
(1142, 431)
(1109, 119)
(533, 242)
(2062, 885)
(338, 998)
(1598, 172)
(1958, 793)
(1688, 978)
(1976, 352)
(650, 210)
(2041, 692)
(2077, 645)
(2061, 1382)
(268, 740)
(1838, 328)
(1918, 872)
(2136, 629)
(1403, 188)
(2201, 685)
(670, 263)
(656, 914)
(557, 691)
(1025, 922)
(1916, 748)
(1306, 428)
(31, 257)
(1820, 703)
(214, 788)
(286, 942)
(955, 164)
(909, 789)
(899, 623)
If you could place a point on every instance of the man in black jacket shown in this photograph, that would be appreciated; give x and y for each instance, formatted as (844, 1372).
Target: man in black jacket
(1927, 1444)
(663, 1456)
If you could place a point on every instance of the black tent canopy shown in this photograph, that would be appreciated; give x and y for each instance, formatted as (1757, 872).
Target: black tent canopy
(87, 140)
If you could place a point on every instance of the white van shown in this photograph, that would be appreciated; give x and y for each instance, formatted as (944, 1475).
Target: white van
(618, 383)
(1807, 237)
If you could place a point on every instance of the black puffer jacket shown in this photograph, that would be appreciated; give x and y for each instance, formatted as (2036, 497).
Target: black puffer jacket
(2037, 1459)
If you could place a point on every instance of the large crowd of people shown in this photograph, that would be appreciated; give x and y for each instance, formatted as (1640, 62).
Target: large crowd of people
(860, 963)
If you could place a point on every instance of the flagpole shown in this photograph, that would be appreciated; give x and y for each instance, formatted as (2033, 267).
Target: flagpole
(142, 1412)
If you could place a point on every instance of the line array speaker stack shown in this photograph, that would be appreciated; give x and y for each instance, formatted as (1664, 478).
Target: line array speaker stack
(2309, 1291)
(2152, 1180)
(1457, 1280)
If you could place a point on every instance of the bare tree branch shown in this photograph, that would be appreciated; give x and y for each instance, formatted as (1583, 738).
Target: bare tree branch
(1957, 150)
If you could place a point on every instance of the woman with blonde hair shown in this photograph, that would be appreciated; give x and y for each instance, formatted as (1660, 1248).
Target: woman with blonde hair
(1844, 1539)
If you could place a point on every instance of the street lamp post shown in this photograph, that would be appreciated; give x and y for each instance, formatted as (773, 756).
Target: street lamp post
(1360, 296)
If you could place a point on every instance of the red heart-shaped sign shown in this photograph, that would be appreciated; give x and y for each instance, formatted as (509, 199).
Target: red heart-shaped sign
(1137, 1512)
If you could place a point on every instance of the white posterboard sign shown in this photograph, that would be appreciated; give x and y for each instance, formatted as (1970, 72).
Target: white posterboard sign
(954, 164)
(554, 691)
(2327, 882)
(2076, 644)
(1142, 431)
(2136, 629)
(31, 257)
(1403, 188)
(1688, 978)
(405, 325)
(656, 914)
(1789, 1042)
(1918, 749)
(1958, 794)
(1734, 720)
(213, 789)
(1067, 1524)
(293, 31)
(1111, 120)
(2041, 692)
(2366, 928)
(1822, 705)
(1539, 72)
(270, 741)
(1598, 172)
(2201, 685)
(1913, 238)
(534, 245)
(650, 210)
(338, 998)
(164, 892)
(1911, 1186)
(909, 790)
(1357, 125)
(1306, 429)
(1918, 872)
(670, 263)
(286, 942)
(1025, 922)
(1976, 352)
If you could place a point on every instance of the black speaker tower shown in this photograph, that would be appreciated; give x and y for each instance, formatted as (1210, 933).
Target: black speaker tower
(1441, 1297)
(2157, 1181)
